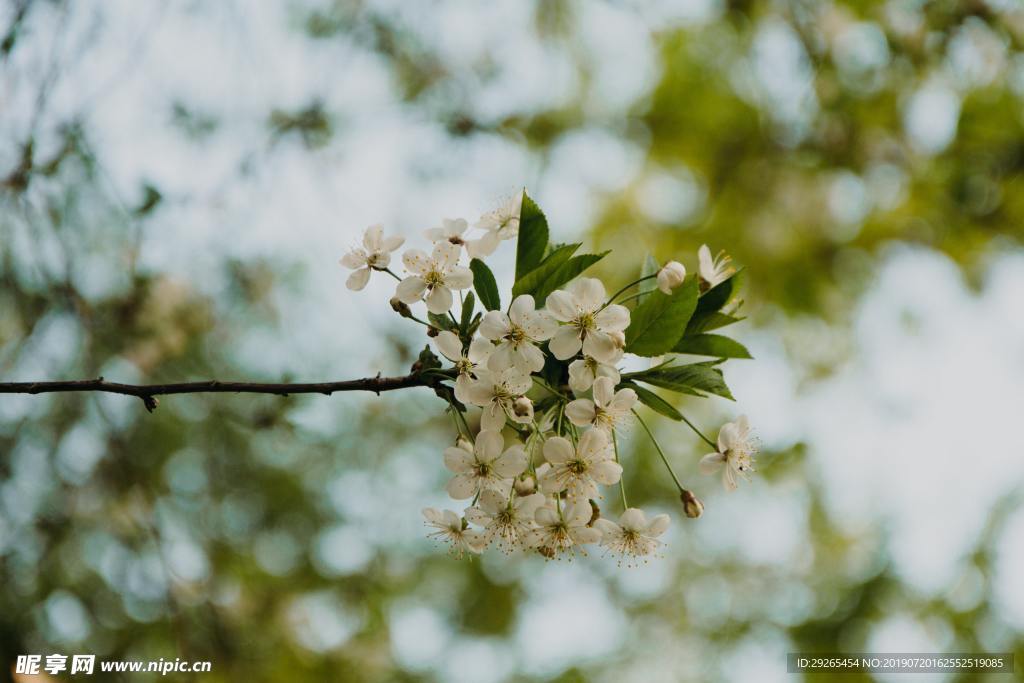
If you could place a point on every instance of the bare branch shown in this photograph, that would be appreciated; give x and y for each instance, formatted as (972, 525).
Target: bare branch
(149, 392)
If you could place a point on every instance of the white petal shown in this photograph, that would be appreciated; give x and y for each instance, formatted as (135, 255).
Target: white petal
(457, 460)
(439, 301)
(354, 259)
(562, 305)
(710, 463)
(459, 277)
(462, 486)
(416, 261)
(480, 350)
(600, 346)
(707, 266)
(372, 238)
(433, 515)
(588, 535)
(445, 255)
(494, 325)
(658, 525)
(623, 401)
(462, 386)
(520, 309)
(516, 381)
(727, 437)
(606, 472)
(484, 246)
(729, 479)
(358, 279)
(578, 514)
(594, 445)
(565, 344)
(633, 519)
(615, 318)
(410, 290)
(541, 326)
(488, 445)
(531, 358)
(546, 516)
(558, 450)
(500, 359)
(607, 527)
(492, 502)
(581, 377)
(511, 463)
(450, 346)
(492, 418)
(604, 391)
(589, 293)
(393, 242)
(581, 412)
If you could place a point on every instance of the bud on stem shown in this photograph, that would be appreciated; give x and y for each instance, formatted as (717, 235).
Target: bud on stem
(691, 504)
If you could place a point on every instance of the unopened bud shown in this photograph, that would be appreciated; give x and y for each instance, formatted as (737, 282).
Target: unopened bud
(525, 485)
(691, 504)
(433, 331)
(671, 275)
(400, 307)
(522, 407)
(463, 443)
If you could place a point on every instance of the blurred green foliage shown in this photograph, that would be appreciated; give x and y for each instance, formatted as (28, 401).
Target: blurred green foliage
(243, 531)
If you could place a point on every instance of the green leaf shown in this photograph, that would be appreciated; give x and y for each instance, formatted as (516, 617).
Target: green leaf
(660, 320)
(441, 322)
(653, 401)
(566, 272)
(710, 303)
(710, 321)
(649, 268)
(696, 379)
(529, 283)
(468, 304)
(533, 237)
(486, 287)
(711, 345)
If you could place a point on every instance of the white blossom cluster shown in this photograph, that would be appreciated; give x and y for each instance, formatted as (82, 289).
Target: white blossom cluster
(537, 489)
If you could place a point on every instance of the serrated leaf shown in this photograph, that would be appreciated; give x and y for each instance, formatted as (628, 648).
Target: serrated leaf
(715, 345)
(654, 402)
(485, 285)
(566, 272)
(695, 379)
(529, 283)
(468, 304)
(660, 320)
(533, 237)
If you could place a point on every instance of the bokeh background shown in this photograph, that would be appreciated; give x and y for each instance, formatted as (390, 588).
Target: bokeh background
(179, 178)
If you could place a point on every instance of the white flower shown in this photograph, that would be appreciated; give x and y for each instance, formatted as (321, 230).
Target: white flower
(609, 409)
(509, 522)
(496, 393)
(736, 451)
(559, 532)
(517, 334)
(583, 372)
(485, 467)
(500, 224)
(451, 230)
(450, 346)
(671, 275)
(579, 470)
(589, 325)
(715, 270)
(437, 275)
(375, 254)
(633, 536)
(450, 530)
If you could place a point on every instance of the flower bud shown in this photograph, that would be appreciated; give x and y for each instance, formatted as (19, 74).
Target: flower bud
(433, 331)
(525, 485)
(400, 307)
(522, 407)
(618, 338)
(463, 443)
(691, 504)
(671, 276)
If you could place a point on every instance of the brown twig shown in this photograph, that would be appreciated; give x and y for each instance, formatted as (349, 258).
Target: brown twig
(149, 392)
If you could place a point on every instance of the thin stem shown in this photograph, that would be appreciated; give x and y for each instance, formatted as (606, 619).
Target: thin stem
(614, 296)
(698, 433)
(548, 387)
(633, 296)
(622, 478)
(391, 273)
(657, 447)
